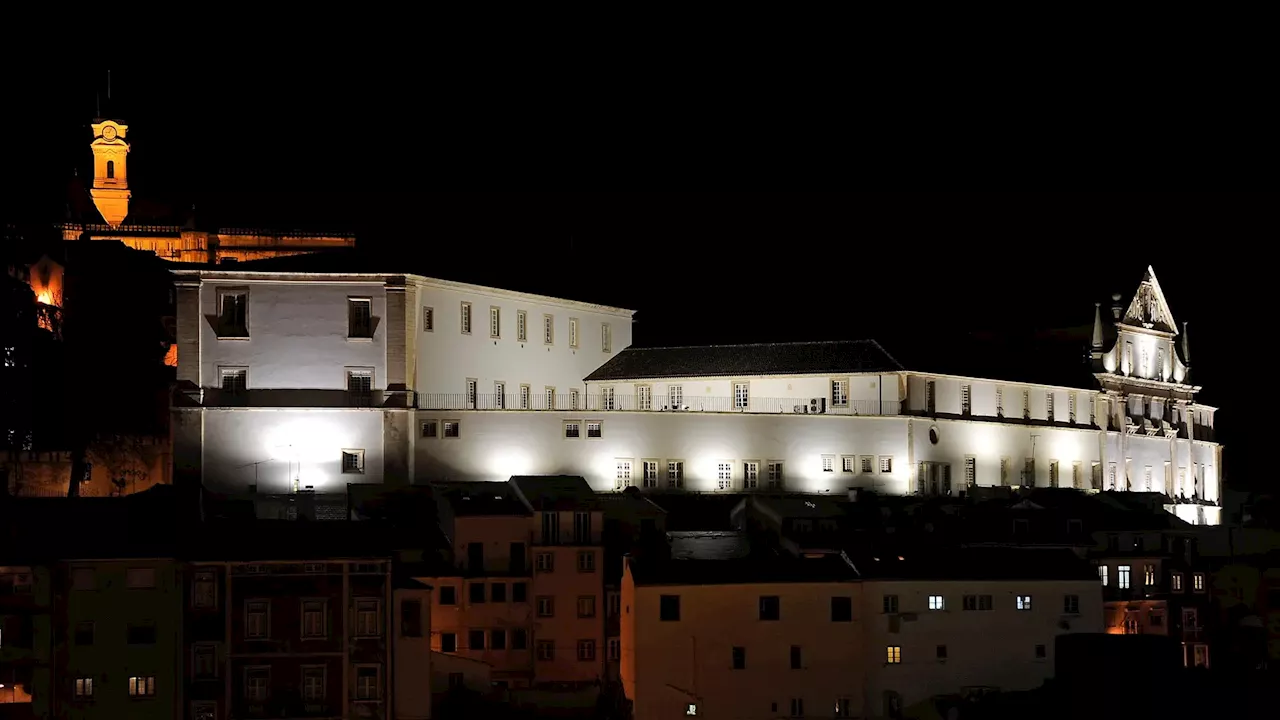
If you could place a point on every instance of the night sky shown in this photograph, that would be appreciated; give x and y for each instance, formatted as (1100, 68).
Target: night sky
(516, 188)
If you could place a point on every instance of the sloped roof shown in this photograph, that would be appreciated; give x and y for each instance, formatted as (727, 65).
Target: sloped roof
(801, 358)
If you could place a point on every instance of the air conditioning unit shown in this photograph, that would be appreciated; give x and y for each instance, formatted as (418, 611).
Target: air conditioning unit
(800, 409)
(817, 405)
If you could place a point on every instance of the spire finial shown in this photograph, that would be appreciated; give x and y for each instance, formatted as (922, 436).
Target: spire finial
(1097, 326)
(1186, 346)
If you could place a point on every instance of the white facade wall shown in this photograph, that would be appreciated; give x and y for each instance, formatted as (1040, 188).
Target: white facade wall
(447, 357)
(273, 447)
(868, 394)
(297, 335)
(993, 648)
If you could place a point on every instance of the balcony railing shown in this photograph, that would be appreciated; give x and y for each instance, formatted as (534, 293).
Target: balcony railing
(640, 403)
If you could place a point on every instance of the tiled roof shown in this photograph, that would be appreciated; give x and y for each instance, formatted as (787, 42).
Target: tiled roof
(980, 564)
(555, 492)
(802, 358)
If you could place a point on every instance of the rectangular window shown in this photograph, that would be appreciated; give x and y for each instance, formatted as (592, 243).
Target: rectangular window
(573, 399)
(607, 399)
(257, 619)
(204, 590)
(774, 468)
(495, 321)
(522, 326)
(623, 473)
(890, 603)
(650, 473)
(841, 608)
(739, 658)
(448, 642)
(1102, 574)
(204, 660)
(606, 338)
(549, 400)
(586, 650)
(466, 318)
(999, 402)
(1071, 604)
(140, 578)
(970, 472)
(669, 608)
(1077, 475)
(546, 606)
(675, 397)
(545, 562)
(313, 619)
(368, 617)
(233, 313)
(1122, 577)
(797, 658)
(614, 648)
(234, 380)
(828, 463)
(893, 655)
(526, 395)
(499, 395)
(1048, 406)
(587, 606)
(741, 396)
(411, 618)
(448, 595)
(1053, 474)
(930, 397)
(256, 681)
(978, 603)
(1005, 464)
(313, 682)
(867, 463)
(573, 332)
(1026, 404)
(428, 319)
(886, 464)
(644, 397)
(1023, 602)
(451, 428)
(546, 650)
(940, 652)
(751, 474)
(966, 399)
(430, 429)
(1197, 582)
(142, 686)
(675, 473)
(586, 561)
(84, 688)
(1071, 407)
(839, 393)
(847, 463)
(548, 329)
(770, 607)
(937, 602)
(368, 682)
(83, 634)
(360, 318)
(352, 461)
(572, 429)
(724, 475)
(359, 380)
(1149, 575)
(475, 639)
(1175, 580)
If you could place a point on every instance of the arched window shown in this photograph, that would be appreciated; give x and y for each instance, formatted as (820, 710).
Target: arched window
(111, 168)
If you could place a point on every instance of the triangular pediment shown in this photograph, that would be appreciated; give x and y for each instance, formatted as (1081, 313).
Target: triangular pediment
(1149, 309)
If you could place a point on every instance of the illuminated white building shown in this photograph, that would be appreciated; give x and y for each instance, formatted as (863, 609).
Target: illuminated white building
(316, 380)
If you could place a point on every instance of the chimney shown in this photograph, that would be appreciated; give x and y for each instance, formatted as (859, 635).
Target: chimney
(1115, 308)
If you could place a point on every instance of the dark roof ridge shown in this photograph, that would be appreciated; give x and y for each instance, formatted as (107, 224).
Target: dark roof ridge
(754, 344)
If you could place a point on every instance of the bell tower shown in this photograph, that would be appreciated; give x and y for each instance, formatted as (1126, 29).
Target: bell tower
(110, 191)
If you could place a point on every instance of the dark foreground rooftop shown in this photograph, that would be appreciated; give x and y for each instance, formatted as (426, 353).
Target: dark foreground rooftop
(802, 358)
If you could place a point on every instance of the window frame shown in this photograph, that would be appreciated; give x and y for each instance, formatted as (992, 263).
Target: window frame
(352, 303)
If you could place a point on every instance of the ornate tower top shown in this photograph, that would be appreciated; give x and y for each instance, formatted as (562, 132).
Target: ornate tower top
(1148, 308)
(110, 190)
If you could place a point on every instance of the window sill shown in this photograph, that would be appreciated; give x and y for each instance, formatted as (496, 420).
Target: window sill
(359, 339)
(233, 337)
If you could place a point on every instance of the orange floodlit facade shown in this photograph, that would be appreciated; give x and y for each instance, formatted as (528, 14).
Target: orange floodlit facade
(177, 243)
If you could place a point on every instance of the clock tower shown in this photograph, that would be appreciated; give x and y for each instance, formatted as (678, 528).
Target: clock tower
(110, 189)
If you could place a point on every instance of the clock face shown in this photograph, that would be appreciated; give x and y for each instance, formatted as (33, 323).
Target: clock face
(109, 132)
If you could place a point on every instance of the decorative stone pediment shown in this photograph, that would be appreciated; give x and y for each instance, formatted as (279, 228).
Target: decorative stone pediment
(1148, 309)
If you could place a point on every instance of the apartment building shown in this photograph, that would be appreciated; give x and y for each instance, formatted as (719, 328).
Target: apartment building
(122, 652)
(969, 621)
(298, 624)
(720, 633)
(26, 641)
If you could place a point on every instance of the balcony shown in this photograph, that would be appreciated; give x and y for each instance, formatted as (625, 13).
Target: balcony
(217, 397)
(641, 403)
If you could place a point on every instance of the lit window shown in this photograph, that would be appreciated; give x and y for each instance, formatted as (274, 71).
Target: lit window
(548, 329)
(1176, 580)
(1023, 602)
(522, 326)
(846, 463)
(606, 338)
(1102, 574)
(142, 686)
(359, 318)
(1149, 575)
(353, 461)
(893, 655)
(452, 428)
(466, 318)
(828, 463)
(937, 602)
(495, 322)
(741, 396)
(1197, 582)
(886, 463)
(428, 319)
(84, 688)
(1122, 577)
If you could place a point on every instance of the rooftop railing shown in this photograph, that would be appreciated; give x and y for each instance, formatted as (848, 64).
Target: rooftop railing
(596, 402)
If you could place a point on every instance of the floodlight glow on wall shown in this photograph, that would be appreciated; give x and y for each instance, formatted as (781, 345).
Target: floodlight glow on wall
(310, 450)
